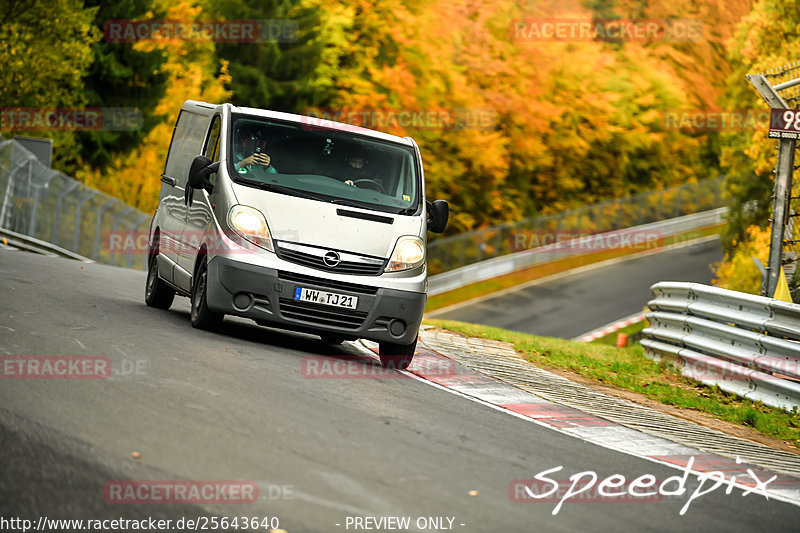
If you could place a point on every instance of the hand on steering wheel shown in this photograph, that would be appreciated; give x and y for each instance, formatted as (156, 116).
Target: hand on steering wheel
(369, 184)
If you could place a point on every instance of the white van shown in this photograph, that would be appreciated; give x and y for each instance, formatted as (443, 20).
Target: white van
(296, 224)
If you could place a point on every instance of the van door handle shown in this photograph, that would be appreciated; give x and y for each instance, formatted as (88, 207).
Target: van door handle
(169, 180)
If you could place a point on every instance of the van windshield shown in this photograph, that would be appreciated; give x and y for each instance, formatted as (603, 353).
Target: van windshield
(323, 164)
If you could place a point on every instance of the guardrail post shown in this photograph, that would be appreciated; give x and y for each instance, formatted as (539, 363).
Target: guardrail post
(783, 184)
(6, 211)
(96, 252)
(676, 209)
(780, 209)
(78, 209)
(70, 186)
(35, 208)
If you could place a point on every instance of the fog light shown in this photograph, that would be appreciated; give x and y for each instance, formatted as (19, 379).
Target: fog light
(397, 327)
(242, 301)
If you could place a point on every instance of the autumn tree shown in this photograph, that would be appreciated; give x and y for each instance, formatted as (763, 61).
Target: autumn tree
(282, 70)
(122, 76)
(768, 37)
(193, 72)
(45, 50)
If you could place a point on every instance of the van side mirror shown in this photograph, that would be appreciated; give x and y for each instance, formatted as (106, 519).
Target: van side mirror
(438, 213)
(199, 173)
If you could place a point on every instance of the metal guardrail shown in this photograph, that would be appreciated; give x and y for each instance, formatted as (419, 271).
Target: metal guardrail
(448, 253)
(51, 207)
(747, 345)
(507, 264)
(30, 244)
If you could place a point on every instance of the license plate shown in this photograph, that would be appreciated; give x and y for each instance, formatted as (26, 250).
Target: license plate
(325, 298)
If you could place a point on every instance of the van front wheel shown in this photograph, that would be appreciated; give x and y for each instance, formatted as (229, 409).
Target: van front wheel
(397, 356)
(203, 317)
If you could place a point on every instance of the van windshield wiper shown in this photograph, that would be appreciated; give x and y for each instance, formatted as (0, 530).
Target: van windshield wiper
(351, 203)
(279, 188)
(371, 207)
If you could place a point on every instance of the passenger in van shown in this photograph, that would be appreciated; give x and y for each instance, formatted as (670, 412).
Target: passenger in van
(250, 149)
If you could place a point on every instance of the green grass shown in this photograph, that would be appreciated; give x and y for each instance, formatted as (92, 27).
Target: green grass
(489, 286)
(629, 369)
(611, 338)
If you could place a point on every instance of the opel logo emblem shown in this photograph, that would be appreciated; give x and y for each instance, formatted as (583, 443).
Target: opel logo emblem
(331, 259)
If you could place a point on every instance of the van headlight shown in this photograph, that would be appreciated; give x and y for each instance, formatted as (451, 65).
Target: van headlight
(251, 225)
(409, 252)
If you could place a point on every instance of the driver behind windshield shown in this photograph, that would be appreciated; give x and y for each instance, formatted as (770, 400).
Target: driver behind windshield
(357, 171)
(249, 150)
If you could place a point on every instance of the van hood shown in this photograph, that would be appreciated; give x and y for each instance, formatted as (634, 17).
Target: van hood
(328, 225)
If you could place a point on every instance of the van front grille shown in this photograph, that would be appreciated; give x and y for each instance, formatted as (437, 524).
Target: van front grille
(322, 315)
(312, 257)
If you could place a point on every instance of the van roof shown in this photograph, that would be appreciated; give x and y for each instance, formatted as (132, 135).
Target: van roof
(314, 122)
(321, 123)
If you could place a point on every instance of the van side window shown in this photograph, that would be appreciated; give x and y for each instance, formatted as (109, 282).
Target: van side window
(212, 145)
(187, 142)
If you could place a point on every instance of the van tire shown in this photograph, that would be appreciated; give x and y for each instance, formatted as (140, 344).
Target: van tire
(202, 317)
(397, 356)
(156, 292)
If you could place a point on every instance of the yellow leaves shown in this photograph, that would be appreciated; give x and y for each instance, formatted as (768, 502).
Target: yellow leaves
(738, 271)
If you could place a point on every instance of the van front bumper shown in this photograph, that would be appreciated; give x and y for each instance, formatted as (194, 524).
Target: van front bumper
(266, 295)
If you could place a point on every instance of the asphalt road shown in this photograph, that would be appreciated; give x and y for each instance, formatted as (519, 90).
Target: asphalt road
(578, 303)
(236, 405)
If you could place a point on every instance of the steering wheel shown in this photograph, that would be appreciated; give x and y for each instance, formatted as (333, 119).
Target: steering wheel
(369, 184)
